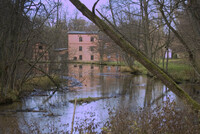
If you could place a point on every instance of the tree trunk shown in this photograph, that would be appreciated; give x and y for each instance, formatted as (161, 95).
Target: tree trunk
(137, 54)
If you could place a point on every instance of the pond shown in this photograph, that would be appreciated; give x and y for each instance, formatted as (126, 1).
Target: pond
(35, 114)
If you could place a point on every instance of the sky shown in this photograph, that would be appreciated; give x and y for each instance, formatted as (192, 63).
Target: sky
(89, 3)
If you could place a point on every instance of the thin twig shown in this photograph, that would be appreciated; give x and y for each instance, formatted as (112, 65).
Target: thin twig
(93, 8)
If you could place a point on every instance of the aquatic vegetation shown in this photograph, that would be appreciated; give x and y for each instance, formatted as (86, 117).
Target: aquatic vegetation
(88, 99)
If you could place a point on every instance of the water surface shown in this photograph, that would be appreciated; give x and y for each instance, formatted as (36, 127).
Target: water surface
(124, 90)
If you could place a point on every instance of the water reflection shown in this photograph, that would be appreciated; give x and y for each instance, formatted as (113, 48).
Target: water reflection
(124, 89)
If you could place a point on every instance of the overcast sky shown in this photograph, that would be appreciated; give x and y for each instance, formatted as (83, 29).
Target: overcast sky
(89, 3)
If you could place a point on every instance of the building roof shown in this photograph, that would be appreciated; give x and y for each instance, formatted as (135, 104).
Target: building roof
(60, 49)
(83, 32)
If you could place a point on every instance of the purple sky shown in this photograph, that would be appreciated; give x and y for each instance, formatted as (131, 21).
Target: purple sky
(89, 3)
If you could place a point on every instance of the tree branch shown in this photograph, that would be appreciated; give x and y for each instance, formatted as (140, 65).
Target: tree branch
(93, 8)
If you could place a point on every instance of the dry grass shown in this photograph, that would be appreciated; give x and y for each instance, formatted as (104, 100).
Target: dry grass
(43, 82)
(161, 120)
(39, 82)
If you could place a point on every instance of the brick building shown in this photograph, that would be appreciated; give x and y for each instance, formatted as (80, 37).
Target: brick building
(38, 50)
(81, 46)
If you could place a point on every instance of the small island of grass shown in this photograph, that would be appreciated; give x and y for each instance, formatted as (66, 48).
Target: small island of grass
(88, 99)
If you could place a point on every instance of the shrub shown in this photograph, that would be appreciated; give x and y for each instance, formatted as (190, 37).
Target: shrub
(165, 119)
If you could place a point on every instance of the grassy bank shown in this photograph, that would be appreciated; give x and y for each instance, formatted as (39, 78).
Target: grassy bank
(177, 68)
(98, 63)
(39, 82)
(181, 72)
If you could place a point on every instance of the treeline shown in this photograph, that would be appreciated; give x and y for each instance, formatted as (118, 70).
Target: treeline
(158, 26)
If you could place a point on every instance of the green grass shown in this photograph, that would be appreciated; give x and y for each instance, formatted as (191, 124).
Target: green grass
(82, 62)
(181, 72)
(98, 63)
(137, 69)
(179, 69)
(114, 63)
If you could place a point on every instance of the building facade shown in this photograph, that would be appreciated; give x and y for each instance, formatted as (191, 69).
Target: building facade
(60, 54)
(40, 51)
(82, 46)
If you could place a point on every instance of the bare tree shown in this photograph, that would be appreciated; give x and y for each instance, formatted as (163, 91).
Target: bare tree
(135, 21)
(19, 31)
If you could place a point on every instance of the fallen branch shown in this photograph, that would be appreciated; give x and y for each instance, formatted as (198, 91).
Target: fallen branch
(89, 99)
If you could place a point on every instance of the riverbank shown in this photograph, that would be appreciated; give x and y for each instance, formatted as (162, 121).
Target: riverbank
(177, 68)
(39, 82)
(99, 63)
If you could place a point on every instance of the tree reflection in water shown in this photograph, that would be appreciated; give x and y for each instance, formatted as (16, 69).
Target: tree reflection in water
(126, 91)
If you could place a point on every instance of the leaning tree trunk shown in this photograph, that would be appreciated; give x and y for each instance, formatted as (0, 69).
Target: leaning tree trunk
(137, 54)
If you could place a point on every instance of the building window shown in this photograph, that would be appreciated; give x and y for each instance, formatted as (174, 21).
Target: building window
(75, 65)
(80, 57)
(80, 39)
(80, 66)
(92, 67)
(92, 39)
(80, 48)
(92, 48)
(75, 58)
(92, 57)
(40, 47)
